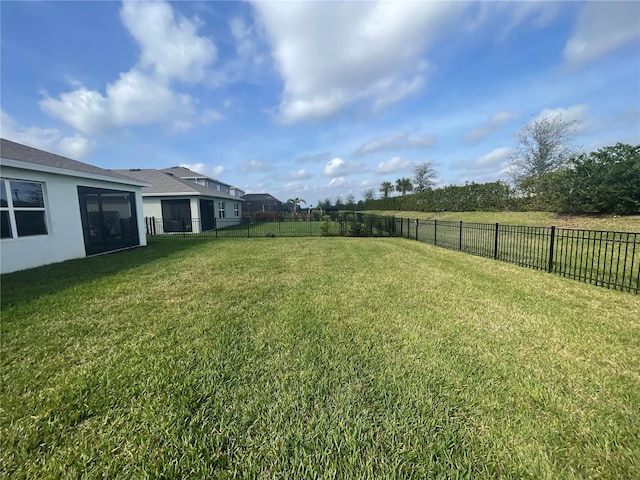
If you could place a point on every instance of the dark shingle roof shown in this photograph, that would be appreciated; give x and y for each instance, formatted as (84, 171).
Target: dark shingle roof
(166, 183)
(261, 197)
(16, 151)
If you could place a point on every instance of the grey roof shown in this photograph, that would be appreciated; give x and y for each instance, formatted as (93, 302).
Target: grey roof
(16, 151)
(166, 183)
(260, 197)
(184, 172)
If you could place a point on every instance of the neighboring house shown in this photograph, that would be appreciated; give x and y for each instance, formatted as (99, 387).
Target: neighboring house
(182, 205)
(200, 179)
(263, 202)
(53, 208)
(236, 192)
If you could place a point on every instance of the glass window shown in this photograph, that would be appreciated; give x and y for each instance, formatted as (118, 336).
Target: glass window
(30, 223)
(5, 225)
(236, 209)
(221, 212)
(27, 194)
(22, 209)
(3, 196)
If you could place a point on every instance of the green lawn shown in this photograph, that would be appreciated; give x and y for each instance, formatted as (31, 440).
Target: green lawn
(315, 358)
(628, 223)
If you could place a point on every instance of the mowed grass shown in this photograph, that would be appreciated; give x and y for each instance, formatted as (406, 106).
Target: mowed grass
(315, 358)
(616, 223)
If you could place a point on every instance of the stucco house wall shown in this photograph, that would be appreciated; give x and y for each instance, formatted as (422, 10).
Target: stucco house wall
(64, 239)
(53, 208)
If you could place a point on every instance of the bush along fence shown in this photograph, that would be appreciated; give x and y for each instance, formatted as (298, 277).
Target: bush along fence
(603, 258)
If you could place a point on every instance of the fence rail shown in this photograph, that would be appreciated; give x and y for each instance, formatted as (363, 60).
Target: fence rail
(604, 258)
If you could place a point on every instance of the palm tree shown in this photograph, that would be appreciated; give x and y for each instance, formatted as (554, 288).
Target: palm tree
(404, 185)
(296, 201)
(385, 188)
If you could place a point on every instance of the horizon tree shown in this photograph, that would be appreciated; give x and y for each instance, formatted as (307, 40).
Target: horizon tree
(424, 176)
(351, 201)
(543, 147)
(385, 188)
(368, 194)
(404, 185)
(296, 202)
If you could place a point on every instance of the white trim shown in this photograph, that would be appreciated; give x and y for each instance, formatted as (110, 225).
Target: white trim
(223, 196)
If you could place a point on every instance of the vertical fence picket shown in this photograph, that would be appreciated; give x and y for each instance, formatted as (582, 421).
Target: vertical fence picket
(551, 246)
(435, 232)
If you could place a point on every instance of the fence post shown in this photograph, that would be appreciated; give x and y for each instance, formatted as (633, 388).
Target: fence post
(495, 245)
(248, 229)
(401, 225)
(417, 225)
(551, 245)
(309, 222)
(408, 229)
(184, 228)
(435, 232)
(461, 235)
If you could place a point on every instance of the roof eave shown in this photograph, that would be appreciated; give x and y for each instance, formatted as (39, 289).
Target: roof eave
(36, 167)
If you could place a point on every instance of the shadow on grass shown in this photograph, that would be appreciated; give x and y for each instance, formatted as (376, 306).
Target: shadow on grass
(28, 285)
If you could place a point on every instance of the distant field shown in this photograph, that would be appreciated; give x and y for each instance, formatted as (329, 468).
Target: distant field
(537, 219)
(315, 358)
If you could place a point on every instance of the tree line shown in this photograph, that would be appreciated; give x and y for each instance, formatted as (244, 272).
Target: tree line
(604, 181)
(547, 172)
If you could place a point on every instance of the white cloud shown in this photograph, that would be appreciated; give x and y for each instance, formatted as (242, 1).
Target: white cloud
(330, 54)
(572, 113)
(399, 141)
(254, 165)
(336, 182)
(209, 116)
(492, 124)
(312, 157)
(339, 167)
(169, 45)
(601, 28)
(294, 187)
(76, 147)
(246, 45)
(539, 13)
(393, 165)
(495, 158)
(134, 99)
(204, 169)
(301, 174)
(369, 183)
(49, 139)
(392, 91)
(170, 50)
(85, 110)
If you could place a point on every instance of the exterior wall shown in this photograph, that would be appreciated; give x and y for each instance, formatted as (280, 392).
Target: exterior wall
(65, 239)
(153, 208)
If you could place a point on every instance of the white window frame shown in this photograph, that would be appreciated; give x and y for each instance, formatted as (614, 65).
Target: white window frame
(236, 209)
(221, 209)
(12, 209)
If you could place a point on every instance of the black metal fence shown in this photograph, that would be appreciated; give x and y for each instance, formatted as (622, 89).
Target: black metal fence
(604, 258)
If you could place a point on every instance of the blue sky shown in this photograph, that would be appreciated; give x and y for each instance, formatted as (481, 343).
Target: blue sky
(315, 100)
